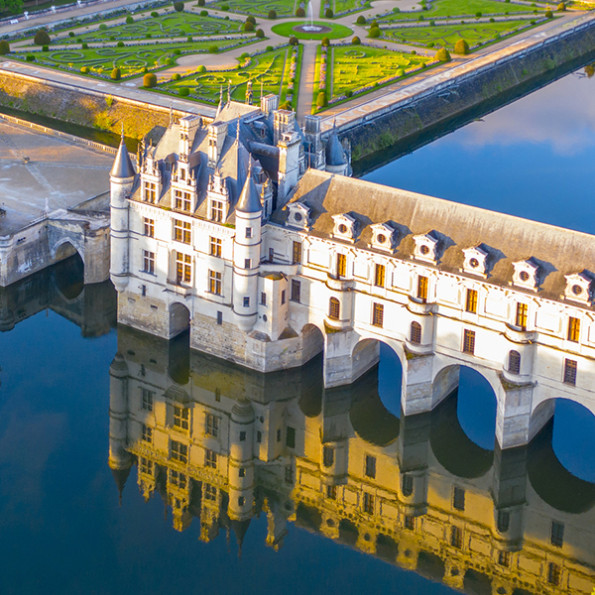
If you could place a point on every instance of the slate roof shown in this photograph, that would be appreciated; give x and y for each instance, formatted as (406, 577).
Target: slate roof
(506, 238)
(122, 167)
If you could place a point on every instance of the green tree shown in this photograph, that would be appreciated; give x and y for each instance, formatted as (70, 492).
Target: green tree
(300, 12)
(321, 99)
(42, 37)
(356, 40)
(461, 47)
(260, 33)
(442, 55)
(361, 20)
(326, 42)
(374, 32)
(178, 6)
(116, 74)
(13, 6)
(272, 14)
(328, 13)
(149, 80)
(4, 47)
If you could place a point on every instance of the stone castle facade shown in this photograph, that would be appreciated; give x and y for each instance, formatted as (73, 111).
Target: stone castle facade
(247, 232)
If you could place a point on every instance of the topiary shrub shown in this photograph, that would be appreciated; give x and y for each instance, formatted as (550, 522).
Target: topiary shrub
(201, 69)
(356, 40)
(190, 38)
(102, 27)
(184, 92)
(361, 20)
(442, 55)
(30, 58)
(321, 99)
(326, 42)
(84, 69)
(272, 14)
(149, 80)
(42, 37)
(461, 47)
(129, 20)
(120, 44)
(328, 13)
(349, 93)
(251, 19)
(84, 46)
(549, 14)
(176, 76)
(269, 48)
(213, 49)
(260, 33)
(374, 32)
(300, 12)
(478, 15)
(561, 7)
(248, 27)
(4, 47)
(154, 14)
(204, 13)
(71, 34)
(293, 40)
(178, 6)
(116, 74)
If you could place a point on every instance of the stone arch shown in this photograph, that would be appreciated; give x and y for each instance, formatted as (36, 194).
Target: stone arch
(179, 319)
(68, 273)
(571, 427)
(555, 485)
(312, 341)
(65, 248)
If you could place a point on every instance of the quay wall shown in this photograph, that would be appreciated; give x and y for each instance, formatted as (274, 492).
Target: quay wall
(84, 107)
(485, 82)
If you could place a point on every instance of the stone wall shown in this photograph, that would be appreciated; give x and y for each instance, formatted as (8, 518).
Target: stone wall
(80, 106)
(471, 93)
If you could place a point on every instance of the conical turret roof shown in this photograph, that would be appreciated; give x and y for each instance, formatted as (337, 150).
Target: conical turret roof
(249, 201)
(122, 167)
(334, 151)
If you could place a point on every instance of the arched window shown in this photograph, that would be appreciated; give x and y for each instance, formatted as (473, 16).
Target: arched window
(514, 362)
(415, 334)
(334, 309)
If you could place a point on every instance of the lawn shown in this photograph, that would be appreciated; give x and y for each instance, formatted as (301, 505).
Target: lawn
(362, 67)
(175, 24)
(447, 35)
(258, 7)
(132, 60)
(343, 6)
(336, 32)
(269, 72)
(459, 8)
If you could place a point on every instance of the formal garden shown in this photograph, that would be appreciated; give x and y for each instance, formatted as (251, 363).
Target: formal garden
(272, 71)
(327, 30)
(258, 8)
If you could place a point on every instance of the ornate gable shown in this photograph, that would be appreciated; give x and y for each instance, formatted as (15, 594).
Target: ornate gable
(526, 274)
(345, 227)
(426, 248)
(383, 237)
(579, 287)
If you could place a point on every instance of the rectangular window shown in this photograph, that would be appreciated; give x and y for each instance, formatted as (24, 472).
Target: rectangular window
(378, 315)
(241, 500)
(242, 436)
(179, 451)
(331, 492)
(334, 309)
(148, 262)
(503, 521)
(471, 301)
(259, 436)
(296, 290)
(242, 472)
(216, 211)
(341, 265)
(469, 342)
(271, 255)
(181, 418)
(182, 231)
(574, 329)
(570, 372)
(553, 574)
(147, 399)
(248, 232)
(149, 192)
(210, 492)
(296, 255)
(219, 318)
(370, 470)
(409, 522)
(521, 315)
(215, 247)
(557, 535)
(210, 459)
(177, 479)
(247, 263)
(149, 225)
(288, 474)
(407, 485)
(422, 288)
(182, 200)
(263, 298)
(328, 456)
(145, 466)
(246, 302)
(504, 558)
(379, 275)
(183, 268)
(368, 503)
(147, 434)
(211, 425)
(215, 282)
(456, 537)
(290, 437)
(282, 297)
(458, 498)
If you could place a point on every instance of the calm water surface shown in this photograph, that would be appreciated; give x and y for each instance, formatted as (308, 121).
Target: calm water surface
(62, 526)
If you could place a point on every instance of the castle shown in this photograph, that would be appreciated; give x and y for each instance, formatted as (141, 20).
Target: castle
(248, 232)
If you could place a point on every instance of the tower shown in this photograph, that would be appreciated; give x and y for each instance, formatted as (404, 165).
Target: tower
(246, 253)
(121, 182)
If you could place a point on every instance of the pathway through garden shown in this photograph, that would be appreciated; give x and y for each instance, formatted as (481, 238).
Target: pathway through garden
(306, 91)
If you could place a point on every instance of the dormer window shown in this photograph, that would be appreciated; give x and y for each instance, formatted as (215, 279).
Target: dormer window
(426, 248)
(299, 215)
(344, 228)
(475, 261)
(382, 237)
(526, 274)
(216, 211)
(579, 287)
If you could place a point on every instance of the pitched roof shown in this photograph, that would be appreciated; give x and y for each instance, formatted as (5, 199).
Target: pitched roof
(249, 201)
(122, 167)
(334, 151)
(506, 238)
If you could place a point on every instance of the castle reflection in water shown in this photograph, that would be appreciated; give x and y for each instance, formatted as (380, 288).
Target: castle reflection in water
(221, 444)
